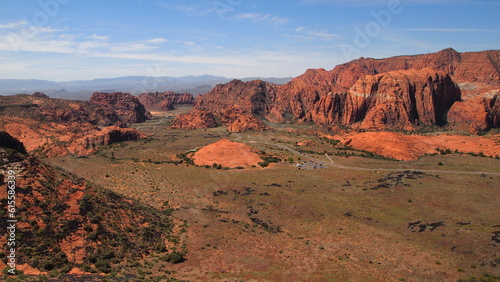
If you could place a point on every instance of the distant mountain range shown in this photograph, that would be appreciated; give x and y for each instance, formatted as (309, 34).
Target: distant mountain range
(82, 89)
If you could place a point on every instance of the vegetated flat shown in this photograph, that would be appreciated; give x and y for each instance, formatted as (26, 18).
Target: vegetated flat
(328, 223)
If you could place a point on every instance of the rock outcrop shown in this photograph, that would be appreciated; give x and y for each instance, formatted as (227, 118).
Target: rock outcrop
(235, 104)
(68, 221)
(195, 119)
(128, 108)
(481, 112)
(9, 142)
(480, 67)
(44, 109)
(401, 100)
(164, 101)
(244, 122)
(228, 154)
(53, 127)
(403, 92)
(109, 135)
(411, 147)
(40, 95)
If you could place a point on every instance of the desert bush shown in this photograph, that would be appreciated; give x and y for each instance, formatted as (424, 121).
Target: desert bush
(174, 257)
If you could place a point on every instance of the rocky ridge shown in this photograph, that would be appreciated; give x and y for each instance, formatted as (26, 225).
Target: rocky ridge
(403, 92)
(53, 127)
(126, 106)
(66, 222)
(164, 101)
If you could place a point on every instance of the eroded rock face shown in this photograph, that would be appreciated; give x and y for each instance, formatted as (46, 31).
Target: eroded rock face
(243, 122)
(481, 112)
(411, 147)
(164, 101)
(401, 99)
(251, 97)
(44, 109)
(195, 119)
(234, 105)
(109, 135)
(53, 127)
(402, 92)
(128, 108)
(481, 67)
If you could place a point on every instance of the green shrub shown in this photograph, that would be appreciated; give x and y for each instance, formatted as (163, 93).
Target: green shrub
(263, 164)
(175, 257)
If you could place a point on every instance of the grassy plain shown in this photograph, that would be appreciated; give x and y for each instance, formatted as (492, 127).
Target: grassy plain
(332, 224)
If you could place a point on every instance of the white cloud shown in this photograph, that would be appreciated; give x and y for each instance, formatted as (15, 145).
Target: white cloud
(158, 40)
(192, 10)
(20, 37)
(325, 35)
(99, 37)
(14, 25)
(260, 17)
(386, 2)
(452, 29)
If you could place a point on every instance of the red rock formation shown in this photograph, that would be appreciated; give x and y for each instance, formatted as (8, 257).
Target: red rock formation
(195, 119)
(470, 66)
(228, 154)
(411, 147)
(481, 112)
(53, 127)
(244, 122)
(234, 104)
(39, 95)
(399, 92)
(70, 208)
(44, 109)
(401, 99)
(127, 107)
(164, 101)
(245, 97)
(112, 134)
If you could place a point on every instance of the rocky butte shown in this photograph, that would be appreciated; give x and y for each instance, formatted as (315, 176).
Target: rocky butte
(128, 107)
(164, 101)
(54, 127)
(404, 92)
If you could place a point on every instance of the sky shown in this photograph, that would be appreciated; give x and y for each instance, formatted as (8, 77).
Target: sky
(64, 40)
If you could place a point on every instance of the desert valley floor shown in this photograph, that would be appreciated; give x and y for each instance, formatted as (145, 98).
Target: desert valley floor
(325, 213)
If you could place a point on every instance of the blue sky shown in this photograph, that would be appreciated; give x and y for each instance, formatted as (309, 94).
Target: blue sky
(84, 39)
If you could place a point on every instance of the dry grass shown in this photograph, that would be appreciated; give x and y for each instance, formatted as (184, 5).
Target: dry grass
(282, 223)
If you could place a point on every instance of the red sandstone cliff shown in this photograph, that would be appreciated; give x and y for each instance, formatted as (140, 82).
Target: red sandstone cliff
(126, 106)
(234, 105)
(398, 93)
(88, 144)
(164, 101)
(52, 127)
(482, 67)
